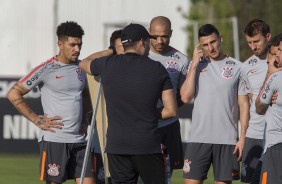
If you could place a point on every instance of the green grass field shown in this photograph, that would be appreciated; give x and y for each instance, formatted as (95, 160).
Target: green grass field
(24, 169)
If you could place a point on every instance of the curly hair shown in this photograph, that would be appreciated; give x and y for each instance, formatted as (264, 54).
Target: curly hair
(115, 35)
(69, 29)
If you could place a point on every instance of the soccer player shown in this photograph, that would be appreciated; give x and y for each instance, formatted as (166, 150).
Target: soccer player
(115, 42)
(62, 128)
(219, 89)
(176, 65)
(257, 34)
(271, 165)
(132, 85)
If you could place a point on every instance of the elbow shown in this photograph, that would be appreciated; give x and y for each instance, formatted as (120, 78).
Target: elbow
(10, 95)
(186, 99)
(259, 111)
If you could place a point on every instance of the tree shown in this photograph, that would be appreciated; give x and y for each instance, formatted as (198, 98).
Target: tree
(220, 12)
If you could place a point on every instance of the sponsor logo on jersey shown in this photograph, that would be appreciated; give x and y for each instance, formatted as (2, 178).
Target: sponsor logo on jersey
(79, 74)
(175, 56)
(56, 66)
(230, 62)
(186, 166)
(53, 170)
(251, 72)
(227, 72)
(36, 75)
(171, 66)
(253, 61)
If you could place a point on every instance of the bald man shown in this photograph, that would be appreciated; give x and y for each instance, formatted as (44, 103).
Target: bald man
(176, 64)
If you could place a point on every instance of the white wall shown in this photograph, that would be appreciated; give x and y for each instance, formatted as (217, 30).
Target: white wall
(27, 27)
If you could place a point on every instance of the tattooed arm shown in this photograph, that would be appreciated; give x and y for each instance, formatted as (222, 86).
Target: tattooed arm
(15, 95)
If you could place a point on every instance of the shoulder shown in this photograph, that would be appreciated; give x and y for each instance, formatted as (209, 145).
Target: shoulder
(251, 61)
(179, 55)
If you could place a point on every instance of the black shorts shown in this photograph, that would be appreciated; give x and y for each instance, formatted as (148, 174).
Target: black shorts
(127, 168)
(99, 173)
(199, 157)
(62, 161)
(271, 165)
(251, 164)
(171, 139)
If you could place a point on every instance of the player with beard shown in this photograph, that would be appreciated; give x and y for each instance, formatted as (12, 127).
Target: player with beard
(257, 34)
(65, 100)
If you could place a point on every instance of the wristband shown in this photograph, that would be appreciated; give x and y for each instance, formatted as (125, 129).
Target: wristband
(113, 48)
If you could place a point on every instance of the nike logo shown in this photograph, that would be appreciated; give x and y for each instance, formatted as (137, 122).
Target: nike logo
(234, 174)
(204, 70)
(59, 76)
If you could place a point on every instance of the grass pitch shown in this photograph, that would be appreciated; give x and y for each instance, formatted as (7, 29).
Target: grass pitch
(19, 169)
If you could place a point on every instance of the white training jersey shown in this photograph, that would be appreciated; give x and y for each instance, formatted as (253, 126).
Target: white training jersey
(176, 65)
(255, 69)
(216, 113)
(61, 87)
(274, 119)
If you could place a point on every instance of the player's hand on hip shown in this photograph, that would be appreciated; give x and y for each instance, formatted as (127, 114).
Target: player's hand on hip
(49, 124)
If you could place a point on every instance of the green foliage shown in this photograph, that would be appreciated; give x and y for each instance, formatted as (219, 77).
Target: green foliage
(18, 169)
(219, 13)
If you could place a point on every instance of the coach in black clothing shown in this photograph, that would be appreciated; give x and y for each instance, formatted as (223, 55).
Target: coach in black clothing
(132, 84)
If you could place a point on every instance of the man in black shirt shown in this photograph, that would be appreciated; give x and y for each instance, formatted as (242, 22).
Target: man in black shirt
(132, 84)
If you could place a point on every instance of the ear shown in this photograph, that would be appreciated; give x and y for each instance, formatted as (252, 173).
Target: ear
(221, 39)
(60, 44)
(268, 36)
(170, 33)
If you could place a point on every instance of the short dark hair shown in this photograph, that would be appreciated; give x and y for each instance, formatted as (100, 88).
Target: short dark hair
(69, 29)
(255, 27)
(275, 41)
(207, 30)
(115, 35)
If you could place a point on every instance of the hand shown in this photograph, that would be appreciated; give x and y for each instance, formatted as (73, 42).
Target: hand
(274, 98)
(239, 149)
(49, 124)
(273, 66)
(197, 55)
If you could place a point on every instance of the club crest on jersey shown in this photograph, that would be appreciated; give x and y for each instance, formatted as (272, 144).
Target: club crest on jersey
(253, 61)
(186, 166)
(79, 74)
(171, 66)
(227, 72)
(53, 170)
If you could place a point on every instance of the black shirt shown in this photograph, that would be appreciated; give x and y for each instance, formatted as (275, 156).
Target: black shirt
(132, 86)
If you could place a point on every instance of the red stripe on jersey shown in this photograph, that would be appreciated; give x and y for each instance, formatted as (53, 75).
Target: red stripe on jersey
(35, 69)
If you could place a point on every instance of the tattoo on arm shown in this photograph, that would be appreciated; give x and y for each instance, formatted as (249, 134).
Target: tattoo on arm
(17, 101)
(41, 121)
(19, 88)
